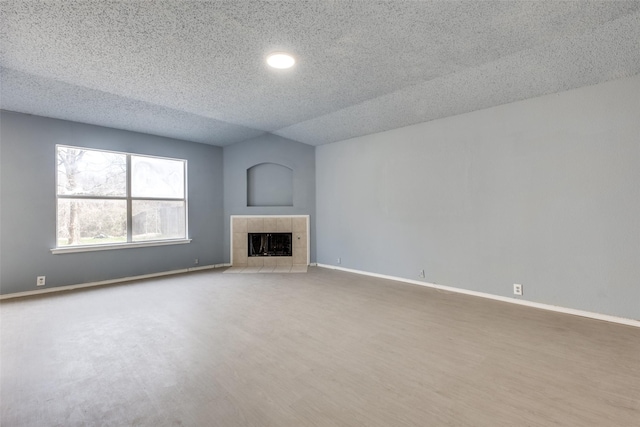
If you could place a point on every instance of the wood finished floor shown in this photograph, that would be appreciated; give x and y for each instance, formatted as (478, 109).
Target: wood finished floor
(325, 348)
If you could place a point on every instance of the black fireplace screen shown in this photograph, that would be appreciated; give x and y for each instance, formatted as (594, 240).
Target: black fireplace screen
(269, 244)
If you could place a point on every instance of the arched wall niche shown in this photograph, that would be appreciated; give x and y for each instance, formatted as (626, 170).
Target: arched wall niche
(269, 184)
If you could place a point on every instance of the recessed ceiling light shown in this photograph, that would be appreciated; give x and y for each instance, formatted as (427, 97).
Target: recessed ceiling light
(280, 60)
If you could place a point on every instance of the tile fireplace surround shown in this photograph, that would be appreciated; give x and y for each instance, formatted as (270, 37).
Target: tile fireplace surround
(241, 225)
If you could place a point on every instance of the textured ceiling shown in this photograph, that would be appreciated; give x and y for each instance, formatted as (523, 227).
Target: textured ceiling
(196, 71)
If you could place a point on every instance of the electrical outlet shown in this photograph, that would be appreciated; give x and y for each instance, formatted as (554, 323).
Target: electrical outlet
(422, 274)
(517, 289)
(339, 260)
(40, 281)
(196, 261)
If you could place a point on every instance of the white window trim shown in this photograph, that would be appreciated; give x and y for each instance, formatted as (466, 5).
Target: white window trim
(108, 247)
(125, 245)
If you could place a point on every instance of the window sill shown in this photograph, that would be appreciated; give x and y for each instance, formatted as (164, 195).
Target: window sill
(74, 249)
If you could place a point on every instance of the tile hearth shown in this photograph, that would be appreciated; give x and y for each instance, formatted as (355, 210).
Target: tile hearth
(280, 269)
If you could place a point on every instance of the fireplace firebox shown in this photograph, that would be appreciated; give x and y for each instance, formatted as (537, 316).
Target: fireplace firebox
(269, 244)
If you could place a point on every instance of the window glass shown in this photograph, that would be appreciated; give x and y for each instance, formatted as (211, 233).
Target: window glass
(91, 221)
(90, 172)
(153, 177)
(153, 220)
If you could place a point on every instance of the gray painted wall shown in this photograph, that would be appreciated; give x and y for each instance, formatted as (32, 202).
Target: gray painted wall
(27, 215)
(269, 149)
(543, 192)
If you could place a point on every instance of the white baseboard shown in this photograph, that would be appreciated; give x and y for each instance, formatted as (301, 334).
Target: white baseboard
(572, 311)
(582, 313)
(111, 281)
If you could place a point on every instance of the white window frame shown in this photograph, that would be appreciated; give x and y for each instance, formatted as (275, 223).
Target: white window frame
(129, 199)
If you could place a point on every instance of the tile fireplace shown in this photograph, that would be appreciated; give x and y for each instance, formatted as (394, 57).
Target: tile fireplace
(269, 240)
